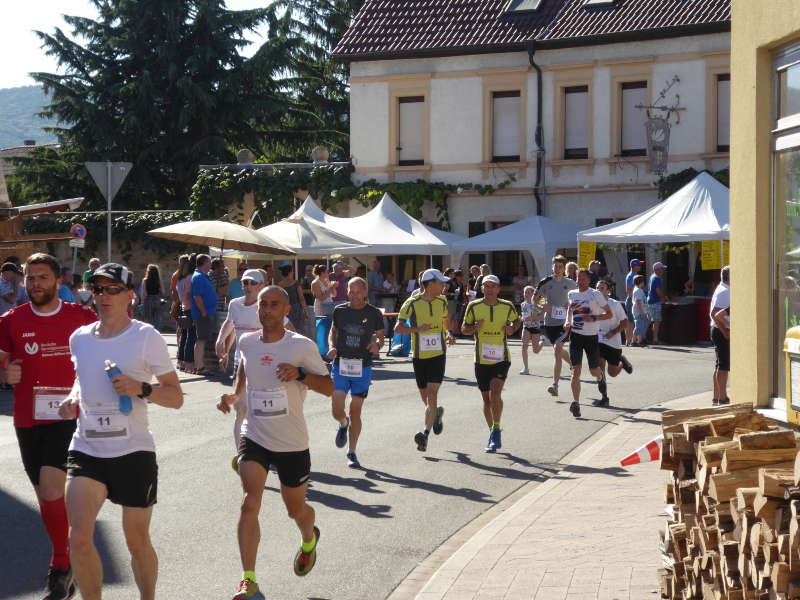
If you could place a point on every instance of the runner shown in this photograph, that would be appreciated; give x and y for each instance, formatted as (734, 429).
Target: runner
(586, 308)
(491, 320)
(428, 315)
(611, 341)
(34, 338)
(277, 369)
(356, 326)
(531, 330)
(552, 291)
(112, 454)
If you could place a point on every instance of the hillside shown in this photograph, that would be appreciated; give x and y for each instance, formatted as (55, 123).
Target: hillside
(18, 120)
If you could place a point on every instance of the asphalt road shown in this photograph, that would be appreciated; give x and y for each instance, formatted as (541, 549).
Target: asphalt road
(376, 523)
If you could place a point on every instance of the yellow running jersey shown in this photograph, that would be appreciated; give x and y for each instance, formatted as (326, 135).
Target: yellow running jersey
(490, 341)
(419, 311)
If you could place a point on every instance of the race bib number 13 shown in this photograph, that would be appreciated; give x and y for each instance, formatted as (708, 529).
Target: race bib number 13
(46, 402)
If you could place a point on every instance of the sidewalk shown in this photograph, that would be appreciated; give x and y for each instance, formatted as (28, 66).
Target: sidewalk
(589, 532)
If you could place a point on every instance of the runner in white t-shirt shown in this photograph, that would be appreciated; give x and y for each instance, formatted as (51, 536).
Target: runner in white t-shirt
(112, 455)
(586, 308)
(277, 369)
(611, 341)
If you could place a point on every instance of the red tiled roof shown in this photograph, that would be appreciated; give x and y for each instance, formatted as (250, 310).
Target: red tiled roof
(408, 28)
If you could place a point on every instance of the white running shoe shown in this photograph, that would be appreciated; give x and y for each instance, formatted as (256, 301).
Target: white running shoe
(524, 371)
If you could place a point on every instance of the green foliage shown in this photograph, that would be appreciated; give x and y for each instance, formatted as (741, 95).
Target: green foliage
(672, 183)
(275, 187)
(19, 107)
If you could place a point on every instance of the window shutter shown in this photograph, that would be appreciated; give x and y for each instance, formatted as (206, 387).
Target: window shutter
(633, 138)
(576, 122)
(411, 131)
(723, 113)
(506, 126)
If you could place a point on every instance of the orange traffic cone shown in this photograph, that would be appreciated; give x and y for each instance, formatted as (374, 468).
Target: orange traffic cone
(650, 451)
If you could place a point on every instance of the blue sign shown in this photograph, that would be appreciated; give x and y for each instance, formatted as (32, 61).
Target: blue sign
(79, 231)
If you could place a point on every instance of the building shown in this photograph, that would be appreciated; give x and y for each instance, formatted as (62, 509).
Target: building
(545, 93)
(765, 197)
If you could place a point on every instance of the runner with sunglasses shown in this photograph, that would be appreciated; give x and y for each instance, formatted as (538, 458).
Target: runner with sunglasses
(34, 339)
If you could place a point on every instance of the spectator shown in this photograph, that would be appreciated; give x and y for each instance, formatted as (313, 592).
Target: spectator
(639, 311)
(297, 302)
(520, 281)
(324, 290)
(151, 290)
(375, 282)
(572, 270)
(9, 284)
(636, 266)
(187, 334)
(484, 271)
(594, 272)
(721, 336)
(93, 264)
(204, 306)
(655, 298)
(219, 278)
(235, 289)
(340, 274)
(64, 291)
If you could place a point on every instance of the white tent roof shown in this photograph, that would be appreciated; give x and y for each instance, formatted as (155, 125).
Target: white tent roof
(541, 236)
(698, 211)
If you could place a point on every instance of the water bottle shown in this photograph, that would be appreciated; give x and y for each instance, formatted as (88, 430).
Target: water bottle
(125, 402)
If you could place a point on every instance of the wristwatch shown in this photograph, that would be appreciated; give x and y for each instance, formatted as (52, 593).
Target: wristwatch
(147, 389)
(301, 373)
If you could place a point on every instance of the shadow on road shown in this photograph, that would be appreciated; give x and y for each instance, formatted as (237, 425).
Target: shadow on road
(506, 472)
(435, 488)
(337, 502)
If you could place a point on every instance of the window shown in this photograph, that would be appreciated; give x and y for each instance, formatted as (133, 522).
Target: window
(724, 112)
(411, 130)
(506, 114)
(632, 136)
(576, 122)
(517, 7)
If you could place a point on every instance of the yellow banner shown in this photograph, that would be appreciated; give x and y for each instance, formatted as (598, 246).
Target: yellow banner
(711, 254)
(726, 252)
(586, 253)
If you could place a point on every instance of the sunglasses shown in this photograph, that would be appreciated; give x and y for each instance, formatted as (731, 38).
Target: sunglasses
(108, 289)
(249, 282)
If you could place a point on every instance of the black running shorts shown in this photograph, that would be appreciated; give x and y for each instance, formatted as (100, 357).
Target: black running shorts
(294, 468)
(485, 373)
(44, 446)
(611, 355)
(556, 334)
(428, 370)
(578, 344)
(722, 349)
(534, 330)
(131, 479)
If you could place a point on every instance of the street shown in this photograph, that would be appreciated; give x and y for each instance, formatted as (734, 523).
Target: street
(376, 523)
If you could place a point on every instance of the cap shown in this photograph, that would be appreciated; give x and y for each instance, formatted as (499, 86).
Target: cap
(491, 279)
(436, 274)
(113, 271)
(635, 262)
(659, 265)
(253, 275)
(9, 266)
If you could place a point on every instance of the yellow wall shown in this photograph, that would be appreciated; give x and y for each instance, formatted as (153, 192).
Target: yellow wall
(758, 27)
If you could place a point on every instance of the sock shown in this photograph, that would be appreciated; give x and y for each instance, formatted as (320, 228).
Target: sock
(426, 432)
(309, 546)
(496, 425)
(54, 516)
(249, 575)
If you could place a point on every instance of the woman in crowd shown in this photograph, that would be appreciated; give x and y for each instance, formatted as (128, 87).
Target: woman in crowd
(324, 290)
(572, 271)
(297, 312)
(188, 332)
(151, 292)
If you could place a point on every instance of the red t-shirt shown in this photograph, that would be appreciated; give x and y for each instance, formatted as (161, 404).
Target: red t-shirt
(42, 342)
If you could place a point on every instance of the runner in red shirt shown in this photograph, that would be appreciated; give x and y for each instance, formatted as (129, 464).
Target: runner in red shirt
(35, 358)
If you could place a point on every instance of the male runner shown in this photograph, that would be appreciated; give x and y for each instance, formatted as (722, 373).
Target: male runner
(491, 320)
(112, 454)
(277, 368)
(608, 335)
(428, 316)
(356, 327)
(586, 308)
(552, 290)
(34, 338)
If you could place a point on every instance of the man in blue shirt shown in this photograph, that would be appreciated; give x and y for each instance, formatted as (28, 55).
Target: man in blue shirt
(636, 267)
(655, 298)
(64, 290)
(204, 305)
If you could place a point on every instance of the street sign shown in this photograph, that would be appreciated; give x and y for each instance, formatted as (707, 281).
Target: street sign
(77, 243)
(109, 177)
(79, 231)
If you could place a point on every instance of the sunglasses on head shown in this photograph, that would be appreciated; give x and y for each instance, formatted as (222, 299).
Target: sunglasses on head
(108, 289)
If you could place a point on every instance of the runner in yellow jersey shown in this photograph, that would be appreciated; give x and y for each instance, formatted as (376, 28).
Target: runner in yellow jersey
(491, 320)
(428, 315)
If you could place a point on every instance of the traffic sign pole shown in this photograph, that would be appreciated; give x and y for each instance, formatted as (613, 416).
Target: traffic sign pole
(109, 177)
(78, 241)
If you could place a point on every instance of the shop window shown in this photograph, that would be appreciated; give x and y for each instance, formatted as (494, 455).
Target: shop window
(632, 135)
(506, 119)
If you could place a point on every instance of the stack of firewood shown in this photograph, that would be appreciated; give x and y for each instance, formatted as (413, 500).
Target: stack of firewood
(734, 504)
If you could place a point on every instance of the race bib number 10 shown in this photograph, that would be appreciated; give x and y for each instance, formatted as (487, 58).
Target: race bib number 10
(558, 312)
(491, 353)
(430, 341)
(351, 367)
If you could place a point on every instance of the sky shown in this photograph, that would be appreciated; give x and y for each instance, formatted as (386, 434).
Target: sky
(20, 47)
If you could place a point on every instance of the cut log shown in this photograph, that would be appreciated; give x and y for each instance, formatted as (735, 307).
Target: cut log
(681, 447)
(774, 479)
(780, 577)
(745, 497)
(726, 425)
(763, 440)
(765, 507)
(735, 460)
(673, 417)
(723, 486)
(712, 454)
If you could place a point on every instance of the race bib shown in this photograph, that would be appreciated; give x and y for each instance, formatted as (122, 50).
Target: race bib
(105, 422)
(268, 404)
(430, 341)
(558, 312)
(492, 353)
(351, 367)
(46, 401)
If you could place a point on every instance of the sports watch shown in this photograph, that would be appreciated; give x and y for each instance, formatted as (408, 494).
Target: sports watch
(147, 389)
(301, 373)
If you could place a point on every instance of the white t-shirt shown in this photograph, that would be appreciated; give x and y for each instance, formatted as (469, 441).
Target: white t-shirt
(639, 295)
(590, 302)
(617, 315)
(140, 353)
(720, 299)
(275, 419)
(245, 318)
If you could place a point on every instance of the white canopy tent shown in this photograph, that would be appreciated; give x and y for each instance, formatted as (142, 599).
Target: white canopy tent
(540, 236)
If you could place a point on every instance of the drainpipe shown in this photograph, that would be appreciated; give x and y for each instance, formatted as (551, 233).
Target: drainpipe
(539, 186)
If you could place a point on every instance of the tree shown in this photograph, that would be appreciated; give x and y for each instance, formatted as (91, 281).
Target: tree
(159, 83)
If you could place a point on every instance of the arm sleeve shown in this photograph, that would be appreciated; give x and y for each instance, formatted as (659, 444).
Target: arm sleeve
(156, 354)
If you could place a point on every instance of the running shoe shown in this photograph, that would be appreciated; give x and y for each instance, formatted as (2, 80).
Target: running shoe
(421, 440)
(524, 371)
(352, 461)
(248, 590)
(60, 584)
(553, 390)
(490, 446)
(438, 424)
(626, 364)
(305, 561)
(724, 400)
(497, 443)
(604, 401)
(575, 409)
(341, 433)
(601, 386)
(235, 463)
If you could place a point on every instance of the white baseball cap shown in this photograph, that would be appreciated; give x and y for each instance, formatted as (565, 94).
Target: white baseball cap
(491, 278)
(253, 275)
(436, 274)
